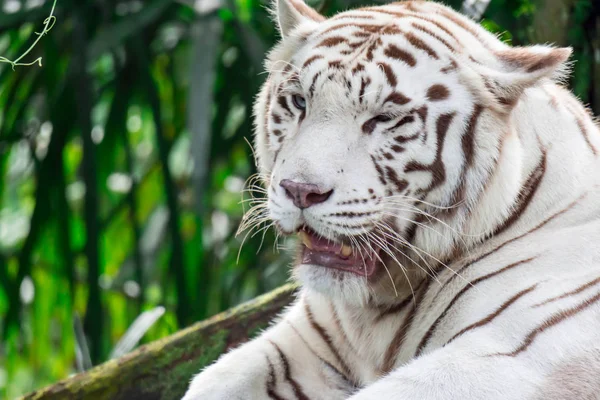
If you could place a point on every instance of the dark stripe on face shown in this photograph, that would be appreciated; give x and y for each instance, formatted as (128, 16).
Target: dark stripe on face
(356, 45)
(437, 93)
(311, 89)
(282, 101)
(369, 126)
(401, 55)
(362, 35)
(468, 139)
(332, 41)
(335, 64)
(294, 78)
(468, 146)
(327, 339)
(400, 184)
(366, 27)
(438, 25)
(352, 14)
(526, 194)
(266, 121)
(351, 214)
(348, 84)
(460, 23)
(391, 30)
(311, 60)
(432, 328)
(287, 68)
(437, 168)
(411, 232)
(404, 139)
(335, 28)
(287, 373)
(379, 170)
(450, 67)
(357, 68)
(389, 74)
(372, 48)
(364, 82)
(434, 35)
(570, 293)
(370, 27)
(550, 322)
(276, 118)
(493, 315)
(397, 14)
(422, 113)
(397, 98)
(421, 45)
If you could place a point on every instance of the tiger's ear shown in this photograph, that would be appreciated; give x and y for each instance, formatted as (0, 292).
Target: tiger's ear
(291, 13)
(523, 67)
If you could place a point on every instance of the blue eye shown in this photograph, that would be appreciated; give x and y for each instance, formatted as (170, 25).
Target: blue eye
(299, 102)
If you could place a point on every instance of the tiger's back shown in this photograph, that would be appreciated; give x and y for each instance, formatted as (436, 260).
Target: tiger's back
(445, 189)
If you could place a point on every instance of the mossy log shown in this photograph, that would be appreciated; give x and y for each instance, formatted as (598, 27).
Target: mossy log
(162, 370)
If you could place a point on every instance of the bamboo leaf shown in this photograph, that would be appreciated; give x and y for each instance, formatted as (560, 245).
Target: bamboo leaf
(136, 331)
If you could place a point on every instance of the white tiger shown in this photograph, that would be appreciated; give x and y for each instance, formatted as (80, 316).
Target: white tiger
(446, 193)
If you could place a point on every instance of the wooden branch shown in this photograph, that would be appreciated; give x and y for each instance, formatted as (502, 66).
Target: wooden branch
(162, 370)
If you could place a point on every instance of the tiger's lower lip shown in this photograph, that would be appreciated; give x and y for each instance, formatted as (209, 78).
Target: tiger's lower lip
(353, 264)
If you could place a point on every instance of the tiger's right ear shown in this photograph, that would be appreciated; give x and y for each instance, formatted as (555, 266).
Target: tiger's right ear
(291, 13)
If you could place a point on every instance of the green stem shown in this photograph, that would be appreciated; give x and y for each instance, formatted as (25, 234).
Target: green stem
(176, 264)
(48, 25)
(94, 317)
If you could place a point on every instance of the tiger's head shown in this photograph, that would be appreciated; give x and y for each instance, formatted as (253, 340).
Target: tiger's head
(384, 136)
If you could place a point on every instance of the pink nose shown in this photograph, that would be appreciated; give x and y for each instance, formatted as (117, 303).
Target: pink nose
(304, 195)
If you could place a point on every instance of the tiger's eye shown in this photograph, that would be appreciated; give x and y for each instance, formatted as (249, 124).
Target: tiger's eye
(382, 118)
(299, 102)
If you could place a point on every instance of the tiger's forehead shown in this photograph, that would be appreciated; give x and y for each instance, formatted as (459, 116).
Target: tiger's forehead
(346, 38)
(351, 40)
(410, 34)
(362, 59)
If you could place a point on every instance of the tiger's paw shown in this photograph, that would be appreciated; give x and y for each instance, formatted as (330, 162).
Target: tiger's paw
(240, 374)
(217, 383)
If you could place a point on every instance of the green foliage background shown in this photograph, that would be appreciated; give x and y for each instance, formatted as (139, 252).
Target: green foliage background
(122, 160)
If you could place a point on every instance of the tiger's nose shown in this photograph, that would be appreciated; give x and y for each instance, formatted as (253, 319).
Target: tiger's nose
(304, 195)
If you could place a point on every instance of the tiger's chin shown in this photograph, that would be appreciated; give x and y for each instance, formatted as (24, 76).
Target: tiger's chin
(334, 284)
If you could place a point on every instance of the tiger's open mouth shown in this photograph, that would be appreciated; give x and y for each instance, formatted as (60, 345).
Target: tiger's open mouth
(317, 250)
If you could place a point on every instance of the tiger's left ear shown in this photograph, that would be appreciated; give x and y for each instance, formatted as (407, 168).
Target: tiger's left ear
(523, 67)
(291, 13)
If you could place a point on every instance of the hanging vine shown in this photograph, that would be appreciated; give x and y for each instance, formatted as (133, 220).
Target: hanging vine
(48, 24)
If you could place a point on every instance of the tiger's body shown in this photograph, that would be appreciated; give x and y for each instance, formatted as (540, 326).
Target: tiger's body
(447, 195)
